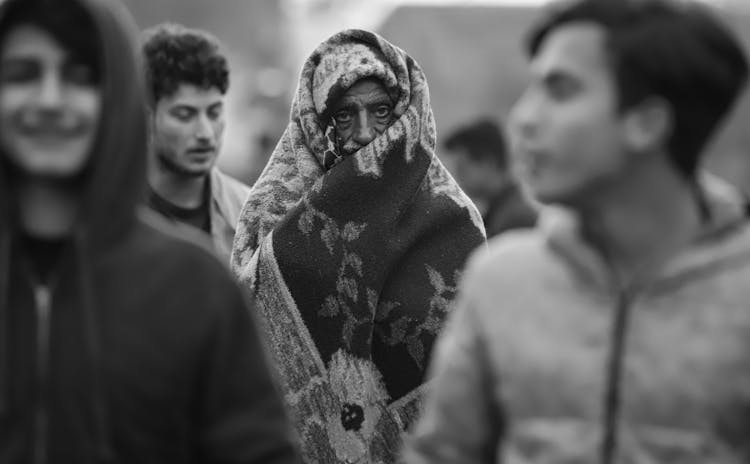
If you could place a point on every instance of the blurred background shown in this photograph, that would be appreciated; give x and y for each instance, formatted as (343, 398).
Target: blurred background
(470, 50)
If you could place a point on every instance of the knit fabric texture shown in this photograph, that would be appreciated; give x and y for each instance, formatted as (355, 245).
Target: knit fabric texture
(354, 260)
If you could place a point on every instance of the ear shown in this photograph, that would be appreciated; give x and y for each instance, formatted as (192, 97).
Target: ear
(648, 125)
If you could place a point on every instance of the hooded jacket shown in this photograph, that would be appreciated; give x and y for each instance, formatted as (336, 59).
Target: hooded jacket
(546, 360)
(140, 348)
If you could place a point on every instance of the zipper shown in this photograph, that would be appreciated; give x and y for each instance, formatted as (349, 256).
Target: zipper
(613, 392)
(43, 300)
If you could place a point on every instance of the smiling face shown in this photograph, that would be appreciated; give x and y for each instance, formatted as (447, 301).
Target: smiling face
(363, 112)
(566, 131)
(50, 104)
(188, 128)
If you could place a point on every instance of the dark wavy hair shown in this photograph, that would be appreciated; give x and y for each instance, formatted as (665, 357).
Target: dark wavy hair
(175, 55)
(677, 50)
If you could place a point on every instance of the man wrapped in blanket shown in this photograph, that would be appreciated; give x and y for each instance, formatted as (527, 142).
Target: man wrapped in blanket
(352, 240)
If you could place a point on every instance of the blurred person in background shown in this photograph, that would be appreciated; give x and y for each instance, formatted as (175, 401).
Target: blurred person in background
(188, 77)
(617, 331)
(110, 348)
(477, 158)
(352, 240)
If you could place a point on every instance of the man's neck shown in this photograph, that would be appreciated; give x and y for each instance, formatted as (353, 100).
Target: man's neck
(180, 190)
(47, 210)
(642, 223)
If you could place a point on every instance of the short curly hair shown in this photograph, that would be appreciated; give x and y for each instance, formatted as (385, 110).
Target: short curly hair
(174, 55)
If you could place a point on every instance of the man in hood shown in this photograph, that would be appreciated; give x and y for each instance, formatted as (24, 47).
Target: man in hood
(110, 348)
(352, 240)
(188, 77)
(617, 332)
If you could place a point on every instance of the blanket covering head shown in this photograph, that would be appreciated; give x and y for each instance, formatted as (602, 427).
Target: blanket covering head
(354, 263)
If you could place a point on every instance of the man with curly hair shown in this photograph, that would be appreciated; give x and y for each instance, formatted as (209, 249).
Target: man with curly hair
(188, 78)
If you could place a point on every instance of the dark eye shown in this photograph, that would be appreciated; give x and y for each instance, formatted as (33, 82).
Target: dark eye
(562, 89)
(80, 74)
(183, 114)
(215, 113)
(19, 71)
(383, 111)
(343, 117)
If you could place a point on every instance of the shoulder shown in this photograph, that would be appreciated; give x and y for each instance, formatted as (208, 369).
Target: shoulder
(228, 185)
(510, 256)
(513, 278)
(176, 249)
(167, 281)
(229, 193)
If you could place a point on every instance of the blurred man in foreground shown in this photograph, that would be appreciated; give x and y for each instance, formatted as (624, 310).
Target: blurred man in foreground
(110, 348)
(617, 332)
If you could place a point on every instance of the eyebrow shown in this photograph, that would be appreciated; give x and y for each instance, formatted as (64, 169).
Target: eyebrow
(183, 107)
(348, 105)
(18, 59)
(557, 75)
(381, 101)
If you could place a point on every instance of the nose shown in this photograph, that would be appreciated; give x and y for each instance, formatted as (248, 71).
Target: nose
(204, 131)
(364, 130)
(51, 92)
(524, 116)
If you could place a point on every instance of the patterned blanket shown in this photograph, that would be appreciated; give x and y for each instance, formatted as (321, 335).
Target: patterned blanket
(354, 260)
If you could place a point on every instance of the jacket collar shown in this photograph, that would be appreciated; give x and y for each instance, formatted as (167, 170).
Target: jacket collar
(723, 242)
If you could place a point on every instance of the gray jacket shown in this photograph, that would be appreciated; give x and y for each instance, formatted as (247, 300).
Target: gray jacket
(228, 196)
(524, 372)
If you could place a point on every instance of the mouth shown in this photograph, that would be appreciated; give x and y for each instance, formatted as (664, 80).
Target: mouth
(202, 152)
(49, 131)
(50, 137)
(350, 148)
(532, 160)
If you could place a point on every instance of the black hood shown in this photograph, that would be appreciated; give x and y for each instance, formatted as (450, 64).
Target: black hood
(113, 182)
(116, 172)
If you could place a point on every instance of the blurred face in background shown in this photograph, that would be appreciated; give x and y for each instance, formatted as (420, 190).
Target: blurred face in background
(50, 104)
(188, 129)
(363, 112)
(479, 177)
(566, 132)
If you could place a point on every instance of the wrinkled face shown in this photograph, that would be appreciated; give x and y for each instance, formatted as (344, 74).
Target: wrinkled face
(566, 133)
(363, 112)
(50, 105)
(188, 128)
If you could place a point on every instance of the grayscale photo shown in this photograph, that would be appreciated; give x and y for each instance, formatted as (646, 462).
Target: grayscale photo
(374, 232)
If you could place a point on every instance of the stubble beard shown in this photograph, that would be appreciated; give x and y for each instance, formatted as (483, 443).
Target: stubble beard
(167, 164)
